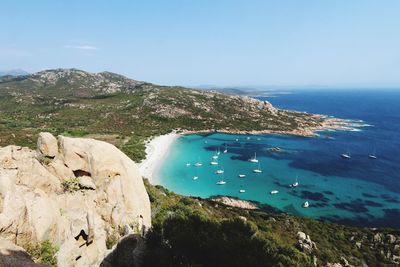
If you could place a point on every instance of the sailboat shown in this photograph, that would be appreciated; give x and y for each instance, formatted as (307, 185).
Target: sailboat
(215, 155)
(214, 162)
(373, 156)
(346, 155)
(258, 170)
(221, 171)
(306, 204)
(196, 175)
(295, 184)
(221, 182)
(198, 163)
(254, 160)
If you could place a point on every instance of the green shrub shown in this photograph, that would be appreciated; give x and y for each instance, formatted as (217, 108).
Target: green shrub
(43, 252)
(112, 239)
(44, 160)
(135, 148)
(71, 185)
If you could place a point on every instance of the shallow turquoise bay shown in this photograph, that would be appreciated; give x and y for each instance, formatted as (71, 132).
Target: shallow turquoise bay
(360, 191)
(277, 175)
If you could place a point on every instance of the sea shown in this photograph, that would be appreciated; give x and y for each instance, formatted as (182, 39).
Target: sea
(359, 191)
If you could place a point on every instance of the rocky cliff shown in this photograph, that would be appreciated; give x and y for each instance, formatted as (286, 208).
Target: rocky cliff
(79, 194)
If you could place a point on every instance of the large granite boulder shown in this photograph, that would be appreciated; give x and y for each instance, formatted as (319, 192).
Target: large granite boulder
(74, 192)
(12, 255)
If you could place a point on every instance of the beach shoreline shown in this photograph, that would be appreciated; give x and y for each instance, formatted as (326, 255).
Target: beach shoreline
(158, 147)
(156, 151)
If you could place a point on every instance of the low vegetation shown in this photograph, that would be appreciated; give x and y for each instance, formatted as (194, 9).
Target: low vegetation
(71, 185)
(198, 232)
(43, 253)
(77, 103)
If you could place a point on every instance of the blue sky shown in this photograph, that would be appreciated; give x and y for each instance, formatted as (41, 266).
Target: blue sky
(337, 43)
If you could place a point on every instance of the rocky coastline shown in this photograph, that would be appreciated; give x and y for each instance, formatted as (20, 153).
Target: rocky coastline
(327, 124)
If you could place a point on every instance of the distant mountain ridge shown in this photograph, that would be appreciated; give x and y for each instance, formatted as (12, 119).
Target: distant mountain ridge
(76, 82)
(13, 72)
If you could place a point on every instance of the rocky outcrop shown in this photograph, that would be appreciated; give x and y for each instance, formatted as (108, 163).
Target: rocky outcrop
(47, 145)
(343, 263)
(77, 193)
(235, 202)
(304, 242)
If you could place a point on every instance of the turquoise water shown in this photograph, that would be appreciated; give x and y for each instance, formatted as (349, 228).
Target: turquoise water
(359, 191)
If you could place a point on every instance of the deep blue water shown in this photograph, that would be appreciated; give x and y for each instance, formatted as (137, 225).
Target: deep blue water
(360, 191)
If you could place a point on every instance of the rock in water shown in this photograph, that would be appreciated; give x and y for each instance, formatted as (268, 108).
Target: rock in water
(74, 192)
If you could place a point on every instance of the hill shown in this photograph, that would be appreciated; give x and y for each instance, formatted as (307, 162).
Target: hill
(126, 112)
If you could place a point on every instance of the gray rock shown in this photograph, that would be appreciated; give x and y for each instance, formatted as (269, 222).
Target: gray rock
(305, 243)
(377, 238)
(391, 238)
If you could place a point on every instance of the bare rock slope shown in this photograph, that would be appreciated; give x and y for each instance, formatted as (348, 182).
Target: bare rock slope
(74, 192)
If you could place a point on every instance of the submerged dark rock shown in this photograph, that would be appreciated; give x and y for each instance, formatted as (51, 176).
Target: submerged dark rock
(353, 206)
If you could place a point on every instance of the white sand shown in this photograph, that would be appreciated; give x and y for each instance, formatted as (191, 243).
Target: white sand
(156, 151)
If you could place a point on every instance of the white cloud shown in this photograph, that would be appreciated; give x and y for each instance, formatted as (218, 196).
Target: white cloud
(81, 47)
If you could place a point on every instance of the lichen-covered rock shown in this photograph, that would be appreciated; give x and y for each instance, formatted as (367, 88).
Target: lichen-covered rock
(75, 200)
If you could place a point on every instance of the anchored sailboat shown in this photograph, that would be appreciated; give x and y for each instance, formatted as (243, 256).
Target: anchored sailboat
(373, 155)
(258, 170)
(198, 163)
(220, 171)
(346, 155)
(221, 182)
(214, 162)
(295, 184)
(254, 160)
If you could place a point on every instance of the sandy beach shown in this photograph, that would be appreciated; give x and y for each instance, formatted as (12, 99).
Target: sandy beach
(156, 150)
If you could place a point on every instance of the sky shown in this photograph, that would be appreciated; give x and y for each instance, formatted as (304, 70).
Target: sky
(299, 43)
